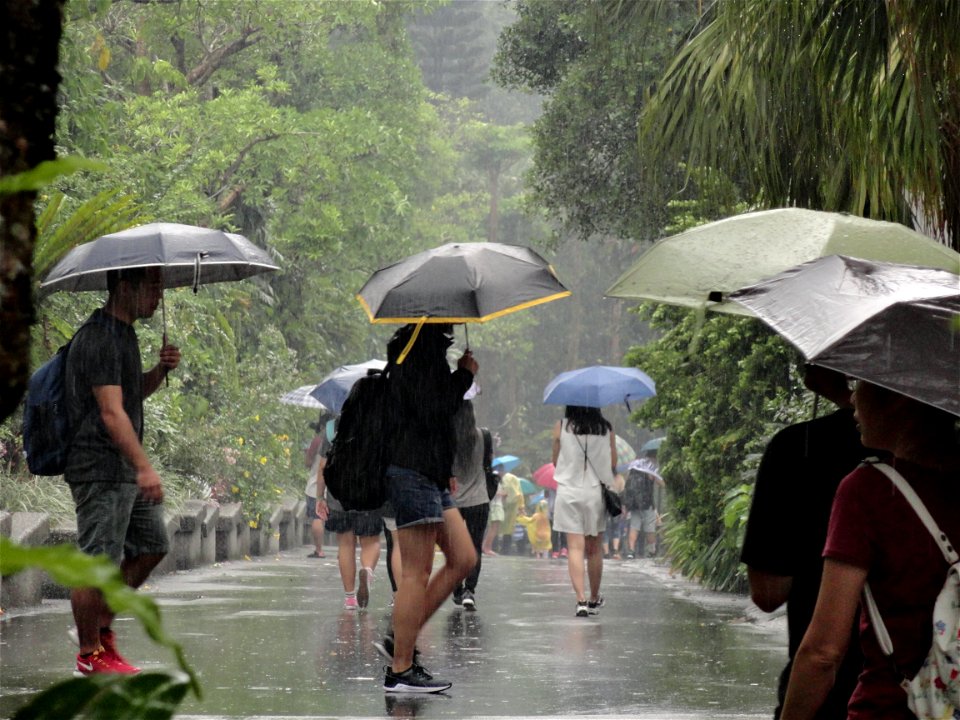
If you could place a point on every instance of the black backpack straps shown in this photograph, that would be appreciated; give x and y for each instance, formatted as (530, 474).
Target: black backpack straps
(487, 449)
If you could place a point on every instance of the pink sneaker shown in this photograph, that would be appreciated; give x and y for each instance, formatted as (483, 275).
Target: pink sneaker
(350, 603)
(563, 553)
(108, 640)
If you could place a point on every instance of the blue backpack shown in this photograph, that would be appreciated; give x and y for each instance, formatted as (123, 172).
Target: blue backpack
(46, 422)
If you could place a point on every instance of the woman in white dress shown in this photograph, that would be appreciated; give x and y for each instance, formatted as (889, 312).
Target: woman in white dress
(584, 453)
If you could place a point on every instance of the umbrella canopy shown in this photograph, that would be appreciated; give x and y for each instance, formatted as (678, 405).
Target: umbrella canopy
(302, 397)
(543, 476)
(527, 487)
(189, 256)
(460, 283)
(702, 266)
(599, 385)
(332, 391)
(508, 462)
(897, 326)
(625, 452)
(652, 445)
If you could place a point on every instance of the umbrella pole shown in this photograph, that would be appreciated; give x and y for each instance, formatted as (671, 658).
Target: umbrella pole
(163, 316)
(466, 335)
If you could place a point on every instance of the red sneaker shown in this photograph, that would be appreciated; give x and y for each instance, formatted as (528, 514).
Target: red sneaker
(100, 662)
(108, 640)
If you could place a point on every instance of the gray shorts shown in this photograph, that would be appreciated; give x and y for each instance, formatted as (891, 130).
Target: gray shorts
(643, 520)
(362, 523)
(114, 520)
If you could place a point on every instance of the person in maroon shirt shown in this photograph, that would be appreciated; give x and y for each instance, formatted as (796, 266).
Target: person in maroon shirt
(874, 535)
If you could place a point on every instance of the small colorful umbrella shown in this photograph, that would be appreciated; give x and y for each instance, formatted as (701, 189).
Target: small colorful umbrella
(507, 462)
(543, 476)
(527, 487)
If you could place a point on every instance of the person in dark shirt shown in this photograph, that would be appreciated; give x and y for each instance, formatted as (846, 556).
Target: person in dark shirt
(118, 493)
(423, 397)
(787, 527)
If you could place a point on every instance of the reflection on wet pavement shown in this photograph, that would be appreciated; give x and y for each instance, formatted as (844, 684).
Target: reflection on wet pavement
(270, 639)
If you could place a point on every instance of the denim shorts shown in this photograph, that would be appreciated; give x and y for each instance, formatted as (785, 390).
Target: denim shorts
(362, 523)
(113, 519)
(416, 499)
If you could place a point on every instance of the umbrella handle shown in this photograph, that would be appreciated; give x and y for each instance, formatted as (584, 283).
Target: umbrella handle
(163, 314)
(413, 339)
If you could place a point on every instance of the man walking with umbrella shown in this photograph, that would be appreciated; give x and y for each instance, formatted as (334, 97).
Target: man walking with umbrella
(118, 493)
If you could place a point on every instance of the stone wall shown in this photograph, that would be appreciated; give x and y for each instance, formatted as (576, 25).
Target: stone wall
(202, 533)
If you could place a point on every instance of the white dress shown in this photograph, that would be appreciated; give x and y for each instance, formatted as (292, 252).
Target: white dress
(583, 463)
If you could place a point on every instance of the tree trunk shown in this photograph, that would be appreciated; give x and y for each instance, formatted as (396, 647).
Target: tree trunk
(28, 111)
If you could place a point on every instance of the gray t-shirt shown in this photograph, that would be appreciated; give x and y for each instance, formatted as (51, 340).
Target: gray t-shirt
(104, 351)
(471, 479)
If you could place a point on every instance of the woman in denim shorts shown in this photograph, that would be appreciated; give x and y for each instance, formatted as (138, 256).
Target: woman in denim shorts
(423, 398)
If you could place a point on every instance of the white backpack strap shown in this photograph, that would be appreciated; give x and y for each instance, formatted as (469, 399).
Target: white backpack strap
(883, 637)
(946, 547)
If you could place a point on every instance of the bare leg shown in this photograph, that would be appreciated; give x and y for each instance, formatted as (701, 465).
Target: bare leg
(632, 539)
(347, 559)
(135, 572)
(594, 565)
(493, 529)
(88, 609)
(395, 559)
(575, 545)
(316, 531)
(369, 551)
(420, 594)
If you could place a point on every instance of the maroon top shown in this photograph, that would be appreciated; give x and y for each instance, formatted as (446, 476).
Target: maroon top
(873, 526)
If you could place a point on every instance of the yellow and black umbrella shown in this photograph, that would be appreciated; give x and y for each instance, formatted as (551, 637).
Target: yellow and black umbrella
(460, 283)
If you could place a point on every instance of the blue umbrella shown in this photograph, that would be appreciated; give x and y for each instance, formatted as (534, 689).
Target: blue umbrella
(599, 385)
(332, 391)
(527, 487)
(509, 462)
(652, 444)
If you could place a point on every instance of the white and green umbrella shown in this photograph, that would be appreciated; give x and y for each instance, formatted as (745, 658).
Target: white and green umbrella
(702, 266)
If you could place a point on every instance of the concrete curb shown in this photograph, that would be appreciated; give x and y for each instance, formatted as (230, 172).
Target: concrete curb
(202, 533)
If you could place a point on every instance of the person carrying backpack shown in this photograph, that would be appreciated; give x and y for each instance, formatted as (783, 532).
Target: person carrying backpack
(643, 497)
(118, 493)
(423, 397)
(876, 538)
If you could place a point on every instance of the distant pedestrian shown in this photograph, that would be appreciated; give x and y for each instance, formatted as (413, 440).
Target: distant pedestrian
(538, 530)
(351, 527)
(470, 496)
(585, 454)
(424, 396)
(315, 459)
(643, 498)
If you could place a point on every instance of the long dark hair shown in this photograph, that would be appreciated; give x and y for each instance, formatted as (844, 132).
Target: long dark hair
(586, 421)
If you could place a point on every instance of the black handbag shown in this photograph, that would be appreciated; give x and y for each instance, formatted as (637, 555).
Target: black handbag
(611, 501)
(493, 477)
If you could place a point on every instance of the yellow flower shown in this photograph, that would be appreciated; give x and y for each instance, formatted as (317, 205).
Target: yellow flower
(246, 473)
(278, 491)
(253, 524)
(263, 459)
(256, 418)
(286, 451)
(234, 489)
(239, 441)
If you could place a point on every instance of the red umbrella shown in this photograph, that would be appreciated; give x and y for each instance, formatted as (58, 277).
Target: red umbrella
(543, 476)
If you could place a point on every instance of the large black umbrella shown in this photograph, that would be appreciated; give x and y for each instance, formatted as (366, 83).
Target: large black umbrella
(189, 255)
(460, 283)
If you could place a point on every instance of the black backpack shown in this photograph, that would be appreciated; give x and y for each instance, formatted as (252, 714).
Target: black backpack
(638, 490)
(355, 473)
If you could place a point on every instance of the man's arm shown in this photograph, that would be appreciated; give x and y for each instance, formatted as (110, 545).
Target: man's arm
(110, 402)
(169, 360)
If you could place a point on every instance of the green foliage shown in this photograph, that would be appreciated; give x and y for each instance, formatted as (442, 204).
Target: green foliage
(147, 695)
(44, 174)
(152, 695)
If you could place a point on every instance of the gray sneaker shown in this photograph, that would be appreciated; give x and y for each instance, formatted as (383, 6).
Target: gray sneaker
(469, 602)
(412, 680)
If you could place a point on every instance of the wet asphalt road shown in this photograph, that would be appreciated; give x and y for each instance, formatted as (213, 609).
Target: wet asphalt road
(270, 639)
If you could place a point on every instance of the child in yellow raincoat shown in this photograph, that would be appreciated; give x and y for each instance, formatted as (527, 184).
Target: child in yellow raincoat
(538, 529)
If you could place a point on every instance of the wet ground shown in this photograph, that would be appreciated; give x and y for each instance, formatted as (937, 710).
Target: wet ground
(270, 639)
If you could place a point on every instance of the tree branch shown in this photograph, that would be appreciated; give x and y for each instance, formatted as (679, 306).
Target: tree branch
(215, 58)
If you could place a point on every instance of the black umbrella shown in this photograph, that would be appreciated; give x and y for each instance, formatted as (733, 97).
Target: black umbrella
(189, 255)
(460, 283)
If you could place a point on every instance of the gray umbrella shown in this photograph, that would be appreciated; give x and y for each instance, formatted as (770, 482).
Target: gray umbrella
(189, 256)
(897, 326)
